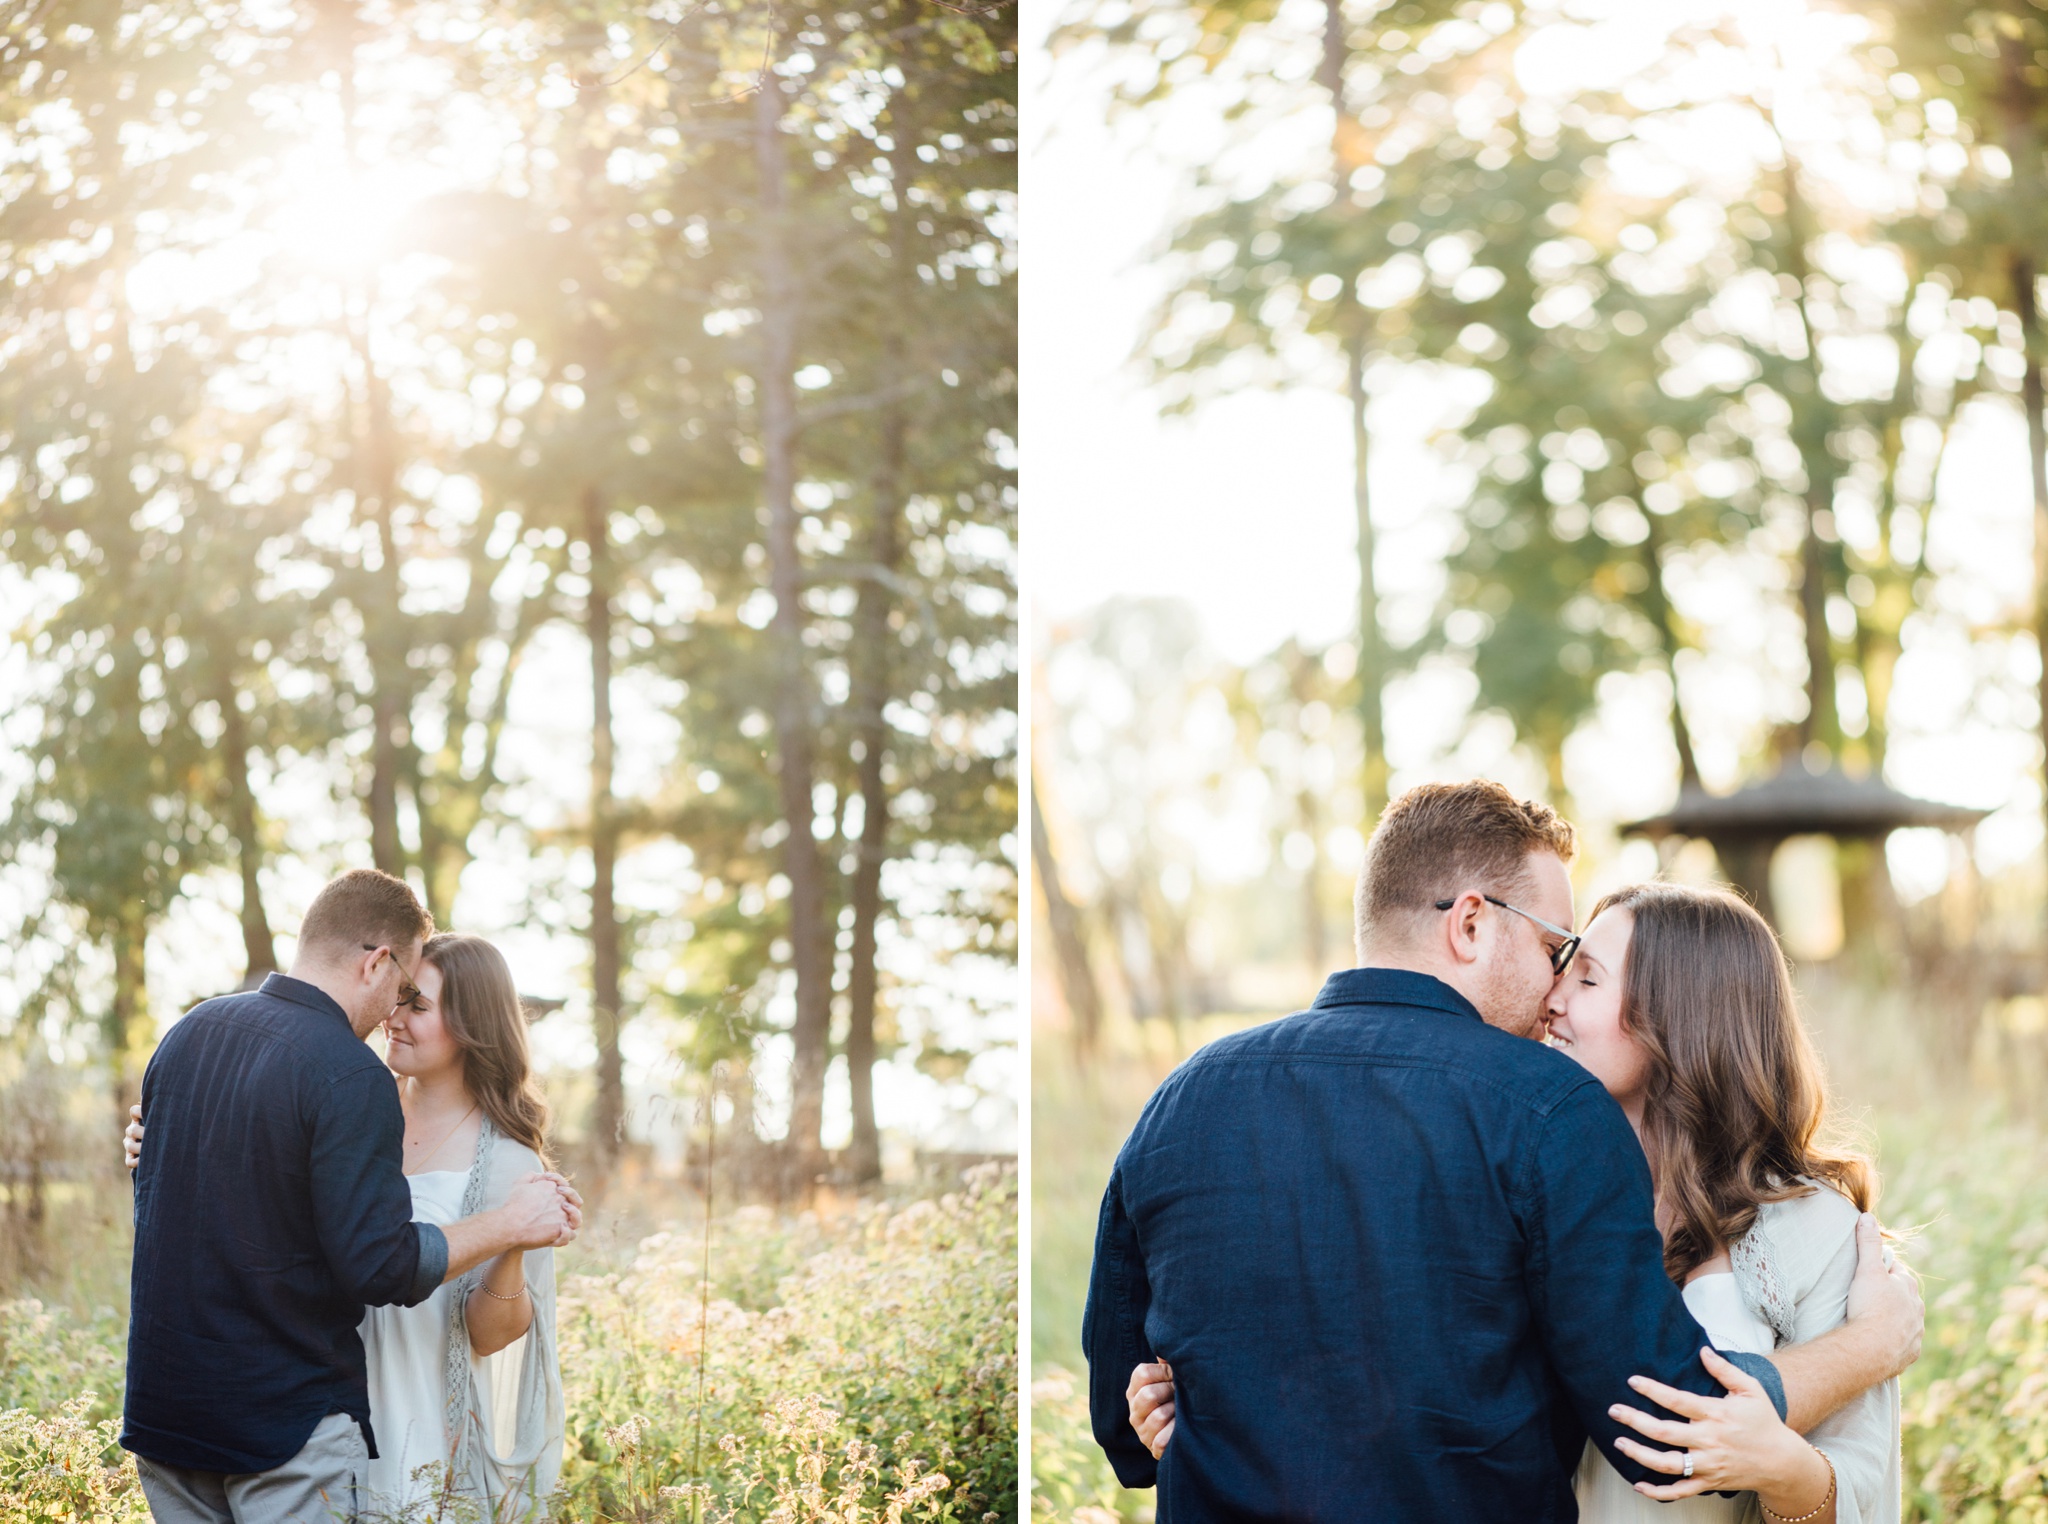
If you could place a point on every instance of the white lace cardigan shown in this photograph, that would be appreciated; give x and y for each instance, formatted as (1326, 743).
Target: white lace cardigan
(1793, 1268)
(504, 1411)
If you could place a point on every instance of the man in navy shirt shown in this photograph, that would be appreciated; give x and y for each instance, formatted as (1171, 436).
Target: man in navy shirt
(270, 1207)
(1400, 1258)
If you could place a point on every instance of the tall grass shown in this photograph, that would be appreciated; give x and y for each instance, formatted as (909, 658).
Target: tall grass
(856, 1363)
(1960, 1144)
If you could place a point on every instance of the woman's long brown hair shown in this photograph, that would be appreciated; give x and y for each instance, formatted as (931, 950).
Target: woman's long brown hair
(1735, 1106)
(480, 1005)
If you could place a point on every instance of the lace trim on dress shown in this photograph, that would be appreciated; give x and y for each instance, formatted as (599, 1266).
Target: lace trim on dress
(456, 1389)
(1756, 1277)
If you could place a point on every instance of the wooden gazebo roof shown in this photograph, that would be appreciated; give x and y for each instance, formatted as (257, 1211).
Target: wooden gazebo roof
(1795, 802)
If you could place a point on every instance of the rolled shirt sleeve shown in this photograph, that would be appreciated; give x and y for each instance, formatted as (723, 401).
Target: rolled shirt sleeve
(1113, 1336)
(434, 1269)
(1759, 1369)
(1603, 1304)
(362, 1206)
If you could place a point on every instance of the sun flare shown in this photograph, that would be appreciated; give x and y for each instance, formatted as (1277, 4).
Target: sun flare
(345, 224)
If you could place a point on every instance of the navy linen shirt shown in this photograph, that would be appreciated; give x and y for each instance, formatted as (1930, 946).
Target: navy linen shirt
(1401, 1262)
(270, 1207)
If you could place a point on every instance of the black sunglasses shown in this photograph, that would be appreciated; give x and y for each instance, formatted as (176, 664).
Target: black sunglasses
(1560, 955)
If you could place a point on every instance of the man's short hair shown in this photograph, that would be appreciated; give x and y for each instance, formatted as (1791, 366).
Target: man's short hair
(1441, 839)
(364, 908)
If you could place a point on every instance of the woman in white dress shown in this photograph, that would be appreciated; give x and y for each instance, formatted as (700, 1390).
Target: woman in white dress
(1679, 1001)
(465, 1389)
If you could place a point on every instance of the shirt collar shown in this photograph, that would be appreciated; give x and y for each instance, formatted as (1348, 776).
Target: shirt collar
(311, 996)
(1393, 986)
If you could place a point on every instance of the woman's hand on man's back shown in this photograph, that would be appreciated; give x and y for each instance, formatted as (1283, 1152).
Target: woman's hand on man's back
(1150, 1395)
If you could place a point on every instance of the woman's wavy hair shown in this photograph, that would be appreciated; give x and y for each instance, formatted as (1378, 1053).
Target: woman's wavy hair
(480, 1005)
(1735, 1108)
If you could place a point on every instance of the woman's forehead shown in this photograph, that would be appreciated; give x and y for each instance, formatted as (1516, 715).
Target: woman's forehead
(1608, 934)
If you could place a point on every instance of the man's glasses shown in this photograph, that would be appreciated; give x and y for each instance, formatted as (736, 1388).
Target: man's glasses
(1560, 955)
(409, 996)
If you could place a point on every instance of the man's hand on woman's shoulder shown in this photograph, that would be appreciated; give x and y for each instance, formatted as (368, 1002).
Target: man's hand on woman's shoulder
(1879, 1337)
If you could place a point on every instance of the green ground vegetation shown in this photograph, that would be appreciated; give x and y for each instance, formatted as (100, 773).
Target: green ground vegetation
(858, 1362)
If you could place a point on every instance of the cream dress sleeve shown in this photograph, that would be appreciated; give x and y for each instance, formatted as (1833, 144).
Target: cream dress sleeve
(1794, 1267)
(505, 1411)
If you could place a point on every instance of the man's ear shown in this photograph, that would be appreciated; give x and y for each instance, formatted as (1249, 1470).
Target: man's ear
(1463, 935)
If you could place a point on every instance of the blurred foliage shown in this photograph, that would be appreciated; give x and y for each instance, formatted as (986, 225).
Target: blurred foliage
(294, 479)
(1724, 313)
(1200, 808)
(48, 1355)
(1070, 1480)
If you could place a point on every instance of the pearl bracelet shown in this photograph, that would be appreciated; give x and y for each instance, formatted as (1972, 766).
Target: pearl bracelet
(1812, 1513)
(522, 1292)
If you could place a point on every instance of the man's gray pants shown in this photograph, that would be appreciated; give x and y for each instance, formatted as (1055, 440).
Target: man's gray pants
(325, 1483)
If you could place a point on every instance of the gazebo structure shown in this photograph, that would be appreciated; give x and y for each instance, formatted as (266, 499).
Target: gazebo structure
(1745, 827)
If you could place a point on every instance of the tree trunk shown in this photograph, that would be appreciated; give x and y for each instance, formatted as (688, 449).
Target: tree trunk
(2021, 105)
(390, 705)
(1820, 667)
(2024, 302)
(608, 1127)
(1657, 604)
(128, 1025)
(439, 811)
(1347, 136)
(1747, 864)
(259, 948)
(871, 672)
(1877, 657)
(1315, 931)
(1348, 151)
(795, 742)
(1822, 724)
(1069, 946)
(1372, 661)
(374, 469)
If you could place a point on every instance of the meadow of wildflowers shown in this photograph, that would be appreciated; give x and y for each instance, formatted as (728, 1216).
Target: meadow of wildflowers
(839, 1366)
